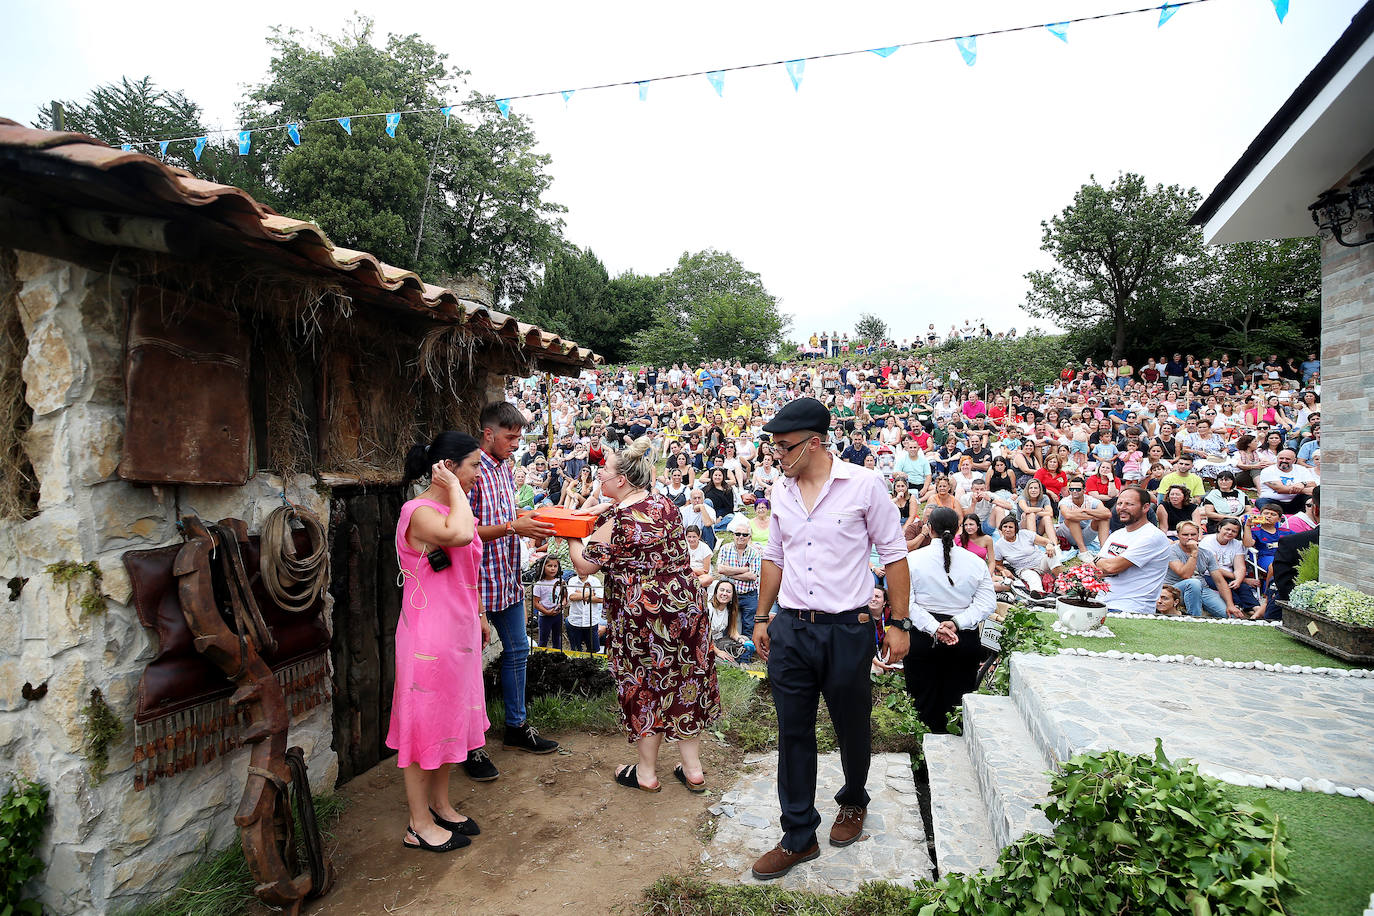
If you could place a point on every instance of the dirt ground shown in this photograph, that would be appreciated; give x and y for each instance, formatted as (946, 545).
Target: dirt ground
(558, 836)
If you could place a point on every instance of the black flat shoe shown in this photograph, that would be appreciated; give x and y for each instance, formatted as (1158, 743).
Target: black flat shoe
(455, 841)
(467, 827)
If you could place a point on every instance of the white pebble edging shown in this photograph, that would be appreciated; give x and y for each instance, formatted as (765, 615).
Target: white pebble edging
(1286, 783)
(1231, 621)
(1216, 662)
(1097, 632)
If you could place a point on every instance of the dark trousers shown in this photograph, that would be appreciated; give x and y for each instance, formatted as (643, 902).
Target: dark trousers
(551, 630)
(583, 639)
(807, 661)
(938, 676)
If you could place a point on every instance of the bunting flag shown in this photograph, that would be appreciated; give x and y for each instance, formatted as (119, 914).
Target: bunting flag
(346, 124)
(293, 130)
(391, 121)
(1059, 30)
(717, 80)
(504, 106)
(446, 111)
(1281, 8)
(199, 148)
(1166, 12)
(126, 146)
(884, 52)
(245, 142)
(567, 95)
(795, 68)
(643, 90)
(968, 47)
(162, 147)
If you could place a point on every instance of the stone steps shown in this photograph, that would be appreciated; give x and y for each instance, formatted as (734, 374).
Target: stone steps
(963, 832)
(1012, 770)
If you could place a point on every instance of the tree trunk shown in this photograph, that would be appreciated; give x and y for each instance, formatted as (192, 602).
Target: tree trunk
(1119, 340)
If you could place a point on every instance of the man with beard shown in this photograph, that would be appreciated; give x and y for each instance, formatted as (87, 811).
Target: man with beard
(1135, 558)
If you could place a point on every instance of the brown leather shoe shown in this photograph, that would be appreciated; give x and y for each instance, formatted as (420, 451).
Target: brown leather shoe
(849, 824)
(778, 861)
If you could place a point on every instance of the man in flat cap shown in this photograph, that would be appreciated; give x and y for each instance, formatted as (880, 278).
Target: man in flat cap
(827, 516)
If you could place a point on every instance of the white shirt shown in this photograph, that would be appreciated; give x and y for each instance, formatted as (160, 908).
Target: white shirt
(583, 613)
(1297, 475)
(1225, 553)
(1020, 553)
(1135, 588)
(969, 600)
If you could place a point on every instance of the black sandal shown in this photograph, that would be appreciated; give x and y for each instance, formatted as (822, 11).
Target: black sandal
(455, 841)
(629, 778)
(465, 827)
(696, 788)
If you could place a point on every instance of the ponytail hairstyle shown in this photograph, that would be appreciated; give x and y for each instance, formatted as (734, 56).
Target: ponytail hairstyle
(636, 462)
(449, 445)
(943, 524)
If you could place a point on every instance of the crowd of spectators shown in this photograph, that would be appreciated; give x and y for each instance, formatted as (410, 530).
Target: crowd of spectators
(836, 344)
(1227, 455)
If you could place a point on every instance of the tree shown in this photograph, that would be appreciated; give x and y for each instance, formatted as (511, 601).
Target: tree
(1263, 297)
(870, 327)
(130, 111)
(1034, 359)
(746, 328)
(1117, 249)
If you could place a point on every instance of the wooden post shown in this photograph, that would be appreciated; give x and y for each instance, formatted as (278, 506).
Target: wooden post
(59, 116)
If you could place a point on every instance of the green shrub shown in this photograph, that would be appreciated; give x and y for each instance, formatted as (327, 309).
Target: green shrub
(1132, 835)
(1023, 630)
(1309, 563)
(1335, 601)
(23, 814)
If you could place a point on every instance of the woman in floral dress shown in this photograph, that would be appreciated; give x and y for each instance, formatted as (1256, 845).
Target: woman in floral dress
(659, 640)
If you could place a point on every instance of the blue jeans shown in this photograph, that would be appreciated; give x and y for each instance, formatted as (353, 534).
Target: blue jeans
(509, 624)
(1197, 598)
(748, 610)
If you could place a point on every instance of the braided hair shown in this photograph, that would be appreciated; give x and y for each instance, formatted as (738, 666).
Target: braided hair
(943, 523)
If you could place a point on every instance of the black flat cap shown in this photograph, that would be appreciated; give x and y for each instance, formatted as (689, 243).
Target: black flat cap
(806, 414)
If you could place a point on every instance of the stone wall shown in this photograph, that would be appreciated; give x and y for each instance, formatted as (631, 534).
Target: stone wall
(1347, 411)
(108, 846)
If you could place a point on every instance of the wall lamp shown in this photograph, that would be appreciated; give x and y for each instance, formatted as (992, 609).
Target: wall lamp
(1335, 212)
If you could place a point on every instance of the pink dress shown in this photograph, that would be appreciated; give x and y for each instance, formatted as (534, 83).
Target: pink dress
(438, 709)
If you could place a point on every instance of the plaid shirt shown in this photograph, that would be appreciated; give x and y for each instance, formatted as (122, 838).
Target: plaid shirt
(729, 556)
(493, 503)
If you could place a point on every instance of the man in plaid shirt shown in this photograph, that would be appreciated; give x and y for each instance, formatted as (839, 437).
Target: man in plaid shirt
(503, 596)
(739, 563)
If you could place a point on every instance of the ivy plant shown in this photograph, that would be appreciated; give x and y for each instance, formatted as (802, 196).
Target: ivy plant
(23, 814)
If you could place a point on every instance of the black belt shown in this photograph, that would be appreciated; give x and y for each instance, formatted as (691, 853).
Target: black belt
(858, 615)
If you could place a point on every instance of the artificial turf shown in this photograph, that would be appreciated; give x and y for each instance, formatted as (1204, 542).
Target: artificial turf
(1228, 643)
(1331, 839)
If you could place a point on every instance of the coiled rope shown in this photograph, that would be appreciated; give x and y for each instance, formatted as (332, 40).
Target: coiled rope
(294, 582)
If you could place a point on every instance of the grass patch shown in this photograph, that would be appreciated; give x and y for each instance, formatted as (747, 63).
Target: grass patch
(1231, 644)
(677, 895)
(1332, 843)
(219, 884)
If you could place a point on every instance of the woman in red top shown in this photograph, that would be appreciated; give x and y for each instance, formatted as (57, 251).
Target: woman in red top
(1104, 485)
(1052, 476)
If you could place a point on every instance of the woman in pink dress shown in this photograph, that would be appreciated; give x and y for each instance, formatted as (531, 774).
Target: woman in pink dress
(438, 709)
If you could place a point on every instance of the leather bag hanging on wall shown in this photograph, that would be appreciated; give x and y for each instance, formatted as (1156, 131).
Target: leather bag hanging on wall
(189, 416)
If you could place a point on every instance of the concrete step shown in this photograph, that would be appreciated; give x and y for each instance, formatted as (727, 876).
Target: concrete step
(963, 832)
(1012, 771)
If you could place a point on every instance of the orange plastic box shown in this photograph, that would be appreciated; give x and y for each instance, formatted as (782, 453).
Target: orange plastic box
(566, 522)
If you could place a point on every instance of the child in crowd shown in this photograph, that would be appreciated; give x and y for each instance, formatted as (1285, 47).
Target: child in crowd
(1132, 462)
(551, 603)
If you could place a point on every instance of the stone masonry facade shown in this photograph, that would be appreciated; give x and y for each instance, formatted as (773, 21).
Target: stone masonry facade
(107, 846)
(1348, 411)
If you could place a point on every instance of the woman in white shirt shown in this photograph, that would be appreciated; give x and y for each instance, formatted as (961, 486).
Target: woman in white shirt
(951, 593)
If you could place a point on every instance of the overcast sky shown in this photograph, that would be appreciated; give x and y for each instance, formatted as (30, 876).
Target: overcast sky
(912, 186)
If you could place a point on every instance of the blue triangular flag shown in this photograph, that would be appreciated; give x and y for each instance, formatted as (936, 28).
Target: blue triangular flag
(795, 68)
(199, 148)
(293, 130)
(884, 52)
(504, 106)
(969, 48)
(245, 142)
(717, 78)
(126, 146)
(567, 94)
(1059, 30)
(446, 111)
(391, 121)
(643, 89)
(346, 124)
(162, 147)
(1281, 7)
(1166, 12)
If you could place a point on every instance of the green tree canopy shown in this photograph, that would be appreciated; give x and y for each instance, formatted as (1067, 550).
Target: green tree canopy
(1117, 249)
(1262, 297)
(870, 327)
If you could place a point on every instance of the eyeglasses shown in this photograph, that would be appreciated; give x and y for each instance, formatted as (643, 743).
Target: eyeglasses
(783, 449)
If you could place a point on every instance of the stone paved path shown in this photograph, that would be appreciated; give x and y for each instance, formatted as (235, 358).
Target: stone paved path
(893, 847)
(1245, 721)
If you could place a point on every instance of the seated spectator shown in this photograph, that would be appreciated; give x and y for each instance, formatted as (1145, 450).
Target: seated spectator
(698, 512)
(1265, 532)
(1135, 558)
(1053, 477)
(1082, 518)
(988, 508)
(1170, 602)
(943, 497)
(1034, 510)
(1226, 500)
(723, 609)
(1286, 485)
(1104, 485)
(699, 555)
(1026, 555)
(1175, 507)
(1183, 476)
(1229, 548)
(1194, 571)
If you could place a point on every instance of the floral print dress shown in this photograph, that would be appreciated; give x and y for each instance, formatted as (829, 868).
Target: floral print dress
(659, 633)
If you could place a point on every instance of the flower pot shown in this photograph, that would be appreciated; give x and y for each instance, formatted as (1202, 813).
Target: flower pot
(1336, 638)
(1079, 615)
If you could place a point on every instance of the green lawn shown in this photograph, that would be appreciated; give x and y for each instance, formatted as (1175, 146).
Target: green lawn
(1232, 644)
(1332, 843)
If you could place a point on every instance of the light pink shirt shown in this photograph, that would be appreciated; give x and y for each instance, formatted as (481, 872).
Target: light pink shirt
(824, 554)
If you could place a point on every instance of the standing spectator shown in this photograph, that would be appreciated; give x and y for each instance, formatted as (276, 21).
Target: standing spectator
(493, 505)
(550, 603)
(1135, 558)
(585, 598)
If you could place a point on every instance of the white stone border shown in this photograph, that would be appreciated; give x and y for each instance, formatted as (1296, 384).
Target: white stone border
(1098, 632)
(1232, 621)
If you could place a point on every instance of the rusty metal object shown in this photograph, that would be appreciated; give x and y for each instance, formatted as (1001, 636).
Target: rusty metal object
(232, 642)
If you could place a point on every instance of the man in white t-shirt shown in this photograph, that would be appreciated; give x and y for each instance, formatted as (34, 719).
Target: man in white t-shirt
(584, 599)
(1285, 483)
(1135, 559)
